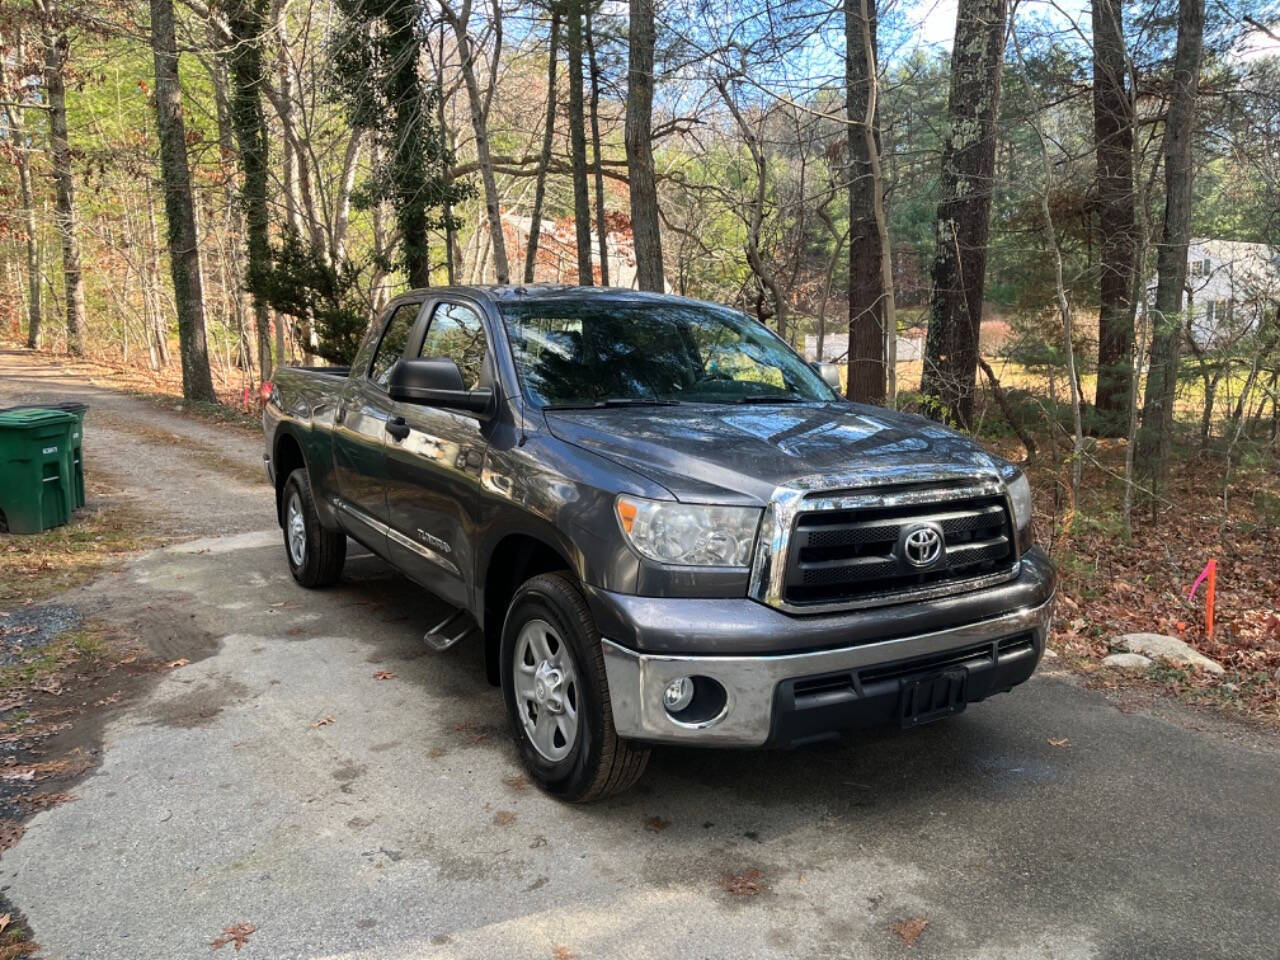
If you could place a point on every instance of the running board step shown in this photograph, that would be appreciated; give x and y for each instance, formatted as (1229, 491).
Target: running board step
(455, 627)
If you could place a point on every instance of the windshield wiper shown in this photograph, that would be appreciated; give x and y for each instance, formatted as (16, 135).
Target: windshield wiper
(772, 398)
(613, 402)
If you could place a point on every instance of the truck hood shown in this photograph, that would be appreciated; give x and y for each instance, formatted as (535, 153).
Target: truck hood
(704, 453)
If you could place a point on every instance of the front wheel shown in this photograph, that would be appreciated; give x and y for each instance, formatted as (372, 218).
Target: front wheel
(316, 555)
(557, 695)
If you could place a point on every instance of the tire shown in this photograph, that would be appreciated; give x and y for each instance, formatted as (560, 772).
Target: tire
(550, 610)
(315, 555)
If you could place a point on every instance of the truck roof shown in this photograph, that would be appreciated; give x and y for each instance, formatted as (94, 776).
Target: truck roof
(558, 291)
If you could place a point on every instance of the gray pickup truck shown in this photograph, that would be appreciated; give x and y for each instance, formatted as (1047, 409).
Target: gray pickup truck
(661, 523)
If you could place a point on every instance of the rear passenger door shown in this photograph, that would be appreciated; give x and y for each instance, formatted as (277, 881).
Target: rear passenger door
(360, 430)
(433, 474)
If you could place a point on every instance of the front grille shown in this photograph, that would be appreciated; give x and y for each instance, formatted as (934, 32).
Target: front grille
(855, 555)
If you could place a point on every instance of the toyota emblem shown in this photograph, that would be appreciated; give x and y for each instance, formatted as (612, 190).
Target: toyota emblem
(922, 546)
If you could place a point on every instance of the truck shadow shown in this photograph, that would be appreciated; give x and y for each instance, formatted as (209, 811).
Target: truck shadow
(985, 753)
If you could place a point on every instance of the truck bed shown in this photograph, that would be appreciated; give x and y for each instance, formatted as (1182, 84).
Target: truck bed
(340, 373)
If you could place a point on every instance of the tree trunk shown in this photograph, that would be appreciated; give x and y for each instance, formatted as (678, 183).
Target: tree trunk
(867, 294)
(247, 22)
(602, 228)
(184, 249)
(578, 144)
(22, 151)
(642, 182)
(1113, 133)
(544, 159)
(1155, 437)
(480, 123)
(56, 44)
(968, 165)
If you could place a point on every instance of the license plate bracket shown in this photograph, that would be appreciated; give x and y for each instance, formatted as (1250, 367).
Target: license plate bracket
(932, 697)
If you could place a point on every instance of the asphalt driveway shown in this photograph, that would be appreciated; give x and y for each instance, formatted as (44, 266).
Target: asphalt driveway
(317, 773)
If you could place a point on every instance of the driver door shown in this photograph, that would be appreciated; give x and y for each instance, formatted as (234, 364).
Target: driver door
(433, 471)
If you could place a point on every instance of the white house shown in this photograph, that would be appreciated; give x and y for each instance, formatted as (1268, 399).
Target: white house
(1231, 287)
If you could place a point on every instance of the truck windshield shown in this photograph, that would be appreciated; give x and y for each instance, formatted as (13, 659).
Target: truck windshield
(573, 353)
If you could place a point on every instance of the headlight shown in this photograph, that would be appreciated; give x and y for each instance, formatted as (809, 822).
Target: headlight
(690, 534)
(1020, 498)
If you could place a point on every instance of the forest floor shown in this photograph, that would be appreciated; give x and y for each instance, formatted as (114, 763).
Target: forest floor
(192, 749)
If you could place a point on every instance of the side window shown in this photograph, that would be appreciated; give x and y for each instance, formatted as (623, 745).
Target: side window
(457, 333)
(394, 340)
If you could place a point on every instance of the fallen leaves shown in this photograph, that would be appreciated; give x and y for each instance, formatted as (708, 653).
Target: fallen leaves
(49, 685)
(516, 783)
(656, 824)
(746, 884)
(562, 953)
(237, 935)
(909, 930)
(323, 721)
(384, 675)
(5, 921)
(504, 818)
(175, 664)
(1060, 742)
(11, 832)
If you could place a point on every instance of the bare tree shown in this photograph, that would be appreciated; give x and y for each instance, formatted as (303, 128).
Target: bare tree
(1155, 437)
(480, 105)
(602, 228)
(642, 181)
(13, 112)
(968, 165)
(755, 211)
(57, 43)
(578, 142)
(544, 158)
(872, 327)
(1113, 118)
(246, 24)
(184, 244)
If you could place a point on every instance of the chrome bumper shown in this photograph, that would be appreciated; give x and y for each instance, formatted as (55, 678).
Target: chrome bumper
(637, 680)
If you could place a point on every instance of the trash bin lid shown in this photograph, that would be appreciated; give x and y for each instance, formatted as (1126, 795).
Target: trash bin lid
(32, 417)
(70, 407)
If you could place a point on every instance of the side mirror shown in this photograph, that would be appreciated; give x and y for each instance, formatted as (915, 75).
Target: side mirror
(830, 373)
(436, 382)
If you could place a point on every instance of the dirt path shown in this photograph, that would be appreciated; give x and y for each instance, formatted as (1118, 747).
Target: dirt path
(187, 478)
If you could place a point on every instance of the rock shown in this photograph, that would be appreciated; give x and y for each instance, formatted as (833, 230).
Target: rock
(1168, 648)
(1277, 676)
(1127, 661)
(1053, 654)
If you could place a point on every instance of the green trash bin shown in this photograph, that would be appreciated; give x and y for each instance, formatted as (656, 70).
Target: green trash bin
(35, 479)
(75, 457)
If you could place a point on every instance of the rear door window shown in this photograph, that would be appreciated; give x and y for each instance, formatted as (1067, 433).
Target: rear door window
(394, 339)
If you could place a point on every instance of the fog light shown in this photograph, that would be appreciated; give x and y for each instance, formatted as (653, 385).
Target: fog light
(678, 695)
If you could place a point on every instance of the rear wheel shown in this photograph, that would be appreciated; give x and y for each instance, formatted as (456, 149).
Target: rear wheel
(557, 696)
(315, 555)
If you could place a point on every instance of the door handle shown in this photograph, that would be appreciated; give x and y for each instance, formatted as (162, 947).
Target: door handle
(340, 415)
(398, 428)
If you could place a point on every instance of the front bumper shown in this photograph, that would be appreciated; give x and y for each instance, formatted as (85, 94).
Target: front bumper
(791, 698)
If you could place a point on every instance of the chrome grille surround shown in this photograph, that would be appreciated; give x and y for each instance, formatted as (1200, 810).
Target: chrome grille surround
(872, 490)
